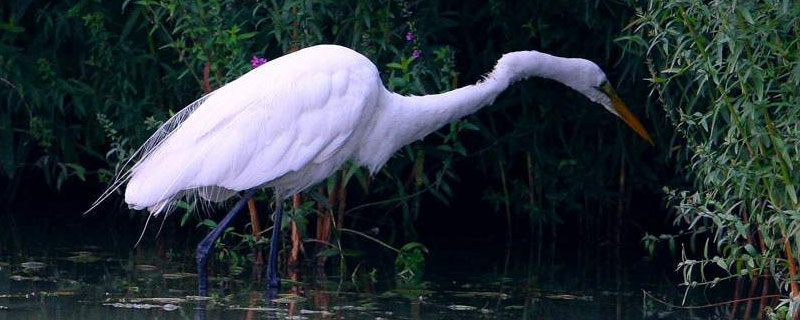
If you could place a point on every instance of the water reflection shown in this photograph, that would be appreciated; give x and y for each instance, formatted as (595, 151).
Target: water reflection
(63, 281)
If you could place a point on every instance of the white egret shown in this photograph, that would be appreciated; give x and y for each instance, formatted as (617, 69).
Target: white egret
(293, 121)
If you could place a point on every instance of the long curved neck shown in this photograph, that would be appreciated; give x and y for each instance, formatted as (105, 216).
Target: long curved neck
(426, 114)
(405, 119)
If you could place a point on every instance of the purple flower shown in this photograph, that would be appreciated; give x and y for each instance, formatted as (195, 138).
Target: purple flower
(415, 54)
(410, 36)
(256, 61)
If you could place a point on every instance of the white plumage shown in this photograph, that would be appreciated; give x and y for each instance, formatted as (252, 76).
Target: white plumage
(286, 123)
(293, 121)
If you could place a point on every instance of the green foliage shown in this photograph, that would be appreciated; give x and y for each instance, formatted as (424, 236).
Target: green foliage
(728, 73)
(86, 83)
(411, 261)
(202, 32)
(78, 80)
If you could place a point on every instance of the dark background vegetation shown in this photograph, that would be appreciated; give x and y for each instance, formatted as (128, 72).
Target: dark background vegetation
(85, 82)
(82, 78)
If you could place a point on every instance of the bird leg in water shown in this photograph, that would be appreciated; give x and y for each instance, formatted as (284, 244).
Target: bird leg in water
(273, 281)
(204, 247)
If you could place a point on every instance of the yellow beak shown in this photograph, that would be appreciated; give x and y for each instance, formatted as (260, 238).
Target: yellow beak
(625, 114)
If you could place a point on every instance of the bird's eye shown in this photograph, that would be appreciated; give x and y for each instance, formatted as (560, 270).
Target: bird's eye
(602, 84)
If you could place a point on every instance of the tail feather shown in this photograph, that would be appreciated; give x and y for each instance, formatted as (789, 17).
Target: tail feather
(126, 170)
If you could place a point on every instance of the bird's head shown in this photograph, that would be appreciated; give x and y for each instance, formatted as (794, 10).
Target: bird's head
(581, 75)
(588, 79)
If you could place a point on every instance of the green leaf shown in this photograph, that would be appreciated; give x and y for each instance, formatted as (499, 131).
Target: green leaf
(186, 216)
(78, 170)
(352, 253)
(396, 82)
(414, 245)
(752, 251)
(394, 65)
(247, 35)
(328, 252)
(208, 223)
(466, 125)
(721, 263)
(792, 193)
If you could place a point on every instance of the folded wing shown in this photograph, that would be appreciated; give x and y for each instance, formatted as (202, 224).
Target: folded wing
(254, 130)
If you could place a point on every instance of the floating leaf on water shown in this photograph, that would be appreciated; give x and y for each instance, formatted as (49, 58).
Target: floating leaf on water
(217, 279)
(34, 278)
(461, 307)
(387, 294)
(159, 300)
(514, 307)
(483, 294)
(83, 258)
(134, 305)
(367, 304)
(353, 308)
(179, 275)
(4, 264)
(289, 298)
(617, 293)
(331, 292)
(145, 267)
(170, 307)
(263, 309)
(3, 308)
(33, 265)
(409, 292)
(61, 293)
(322, 312)
(568, 297)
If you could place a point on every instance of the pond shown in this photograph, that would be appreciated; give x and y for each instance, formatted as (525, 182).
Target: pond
(82, 271)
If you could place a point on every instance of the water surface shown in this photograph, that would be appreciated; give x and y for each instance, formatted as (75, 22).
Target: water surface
(68, 272)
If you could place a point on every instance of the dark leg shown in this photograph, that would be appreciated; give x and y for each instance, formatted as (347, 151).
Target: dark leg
(204, 247)
(273, 281)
